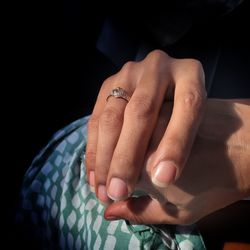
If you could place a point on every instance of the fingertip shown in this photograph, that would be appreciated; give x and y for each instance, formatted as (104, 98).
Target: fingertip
(117, 189)
(102, 194)
(111, 217)
(112, 211)
(164, 174)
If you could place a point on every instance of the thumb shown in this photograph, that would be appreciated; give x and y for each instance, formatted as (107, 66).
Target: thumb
(142, 210)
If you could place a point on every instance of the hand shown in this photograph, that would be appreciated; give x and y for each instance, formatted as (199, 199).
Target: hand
(119, 132)
(217, 172)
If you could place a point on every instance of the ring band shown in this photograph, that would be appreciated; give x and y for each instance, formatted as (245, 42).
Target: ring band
(119, 93)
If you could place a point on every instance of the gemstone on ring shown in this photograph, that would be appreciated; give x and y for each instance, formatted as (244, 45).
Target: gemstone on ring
(119, 93)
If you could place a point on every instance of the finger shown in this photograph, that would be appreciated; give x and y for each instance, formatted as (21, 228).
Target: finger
(176, 144)
(110, 124)
(142, 210)
(144, 183)
(139, 121)
(92, 136)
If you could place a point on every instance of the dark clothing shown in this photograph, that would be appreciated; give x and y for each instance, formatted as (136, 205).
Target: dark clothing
(206, 30)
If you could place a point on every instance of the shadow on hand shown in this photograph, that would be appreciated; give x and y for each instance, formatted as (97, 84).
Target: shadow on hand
(215, 174)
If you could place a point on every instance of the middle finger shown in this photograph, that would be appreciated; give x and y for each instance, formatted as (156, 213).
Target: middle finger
(139, 121)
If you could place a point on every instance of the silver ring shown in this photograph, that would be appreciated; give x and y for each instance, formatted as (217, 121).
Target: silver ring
(119, 93)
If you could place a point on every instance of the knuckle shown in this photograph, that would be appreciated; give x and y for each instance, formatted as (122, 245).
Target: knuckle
(194, 99)
(191, 70)
(110, 119)
(193, 64)
(142, 107)
(157, 60)
(127, 68)
(196, 64)
(196, 69)
(158, 55)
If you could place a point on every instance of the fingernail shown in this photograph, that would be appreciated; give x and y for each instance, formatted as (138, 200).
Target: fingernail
(92, 178)
(102, 194)
(164, 174)
(117, 189)
(111, 217)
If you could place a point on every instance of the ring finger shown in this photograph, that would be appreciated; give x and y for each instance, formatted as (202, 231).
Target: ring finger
(109, 129)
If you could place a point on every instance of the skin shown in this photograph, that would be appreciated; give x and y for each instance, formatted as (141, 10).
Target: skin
(119, 133)
(217, 172)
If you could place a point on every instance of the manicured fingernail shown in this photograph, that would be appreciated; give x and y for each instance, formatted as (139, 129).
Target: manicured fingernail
(164, 174)
(92, 178)
(111, 217)
(102, 194)
(117, 189)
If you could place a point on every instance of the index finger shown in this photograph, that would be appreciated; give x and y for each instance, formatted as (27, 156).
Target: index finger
(176, 144)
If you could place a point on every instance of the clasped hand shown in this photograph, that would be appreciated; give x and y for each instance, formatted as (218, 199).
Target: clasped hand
(146, 143)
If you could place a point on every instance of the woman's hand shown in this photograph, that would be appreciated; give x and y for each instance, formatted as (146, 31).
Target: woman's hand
(217, 172)
(119, 133)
